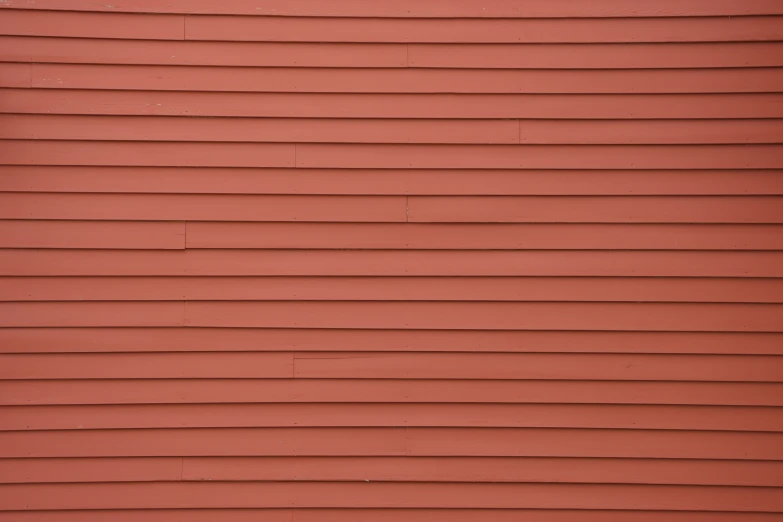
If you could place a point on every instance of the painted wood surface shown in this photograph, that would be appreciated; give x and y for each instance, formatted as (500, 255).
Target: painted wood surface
(400, 260)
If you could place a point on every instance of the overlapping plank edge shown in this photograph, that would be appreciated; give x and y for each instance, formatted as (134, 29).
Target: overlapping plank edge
(302, 261)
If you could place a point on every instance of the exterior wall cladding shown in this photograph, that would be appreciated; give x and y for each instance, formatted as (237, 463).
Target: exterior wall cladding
(391, 260)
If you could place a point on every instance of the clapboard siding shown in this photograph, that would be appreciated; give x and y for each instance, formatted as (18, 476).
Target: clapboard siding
(387, 106)
(426, 9)
(153, 235)
(69, 417)
(398, 156)
(730, 317)
(386, 55)
(395, 495)
(312, 261)
(145, 340)
(379, 391)
(397, 441)
(385, 515)
(390, 30)
(400, 80)
(711, 290)
(416, 209)
(472, 182)
(396, 469)
(393, 365)
(465, 30)
(304, 130)
(71, 262)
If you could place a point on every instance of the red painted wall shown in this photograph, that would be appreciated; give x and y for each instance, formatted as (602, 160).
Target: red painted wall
(394, 260)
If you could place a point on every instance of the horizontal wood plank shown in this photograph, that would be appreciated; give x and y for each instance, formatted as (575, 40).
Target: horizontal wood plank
(96, 314)
(471, 30)
(203, 180)
(374, 391)
(602, 316)
(209, 494)
(187, 416)
(386, 55)
(395, 365)
(148, 365)
(180, 207)
(400, 105)
(312, 155)
(407, 80)
(504, 442)
(598, 56)
(89, 340)
(679, 209)
(656, 367)
(442, 315)
(302, 130)
(15, 75)
(226, 54)
(616, 443)
(383, 515)
(427, 9)
(96, 234)
(391, 263)
(704, 290)
(39, 152)
(614, 236)
(31, 22)
(394, 469)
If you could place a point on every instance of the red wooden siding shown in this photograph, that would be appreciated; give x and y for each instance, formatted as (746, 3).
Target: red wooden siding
(394, 260)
